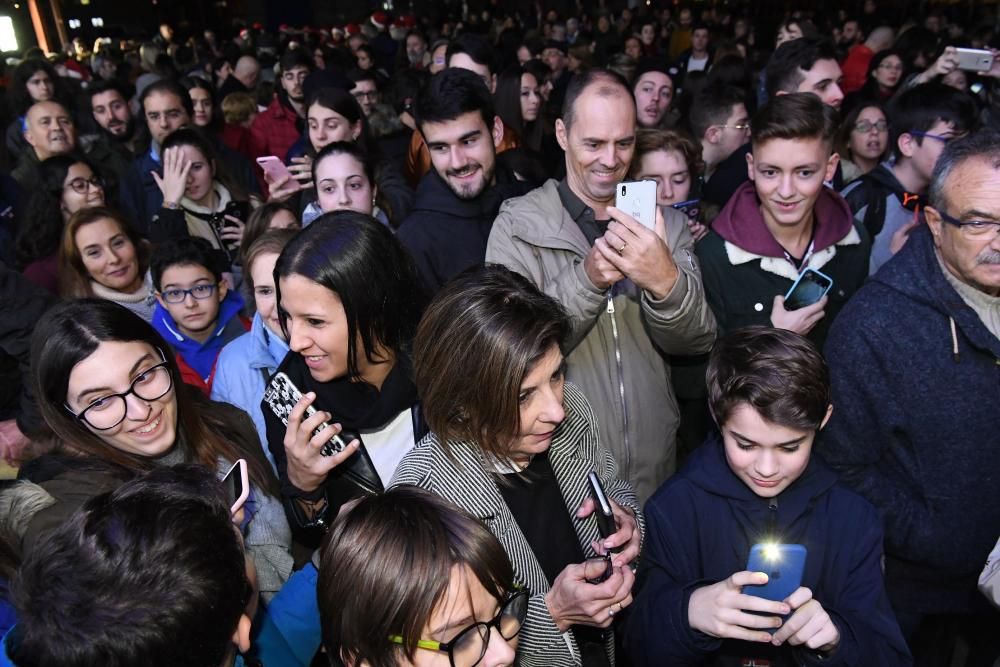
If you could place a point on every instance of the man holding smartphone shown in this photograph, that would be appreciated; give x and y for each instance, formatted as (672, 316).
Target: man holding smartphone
(633, 294)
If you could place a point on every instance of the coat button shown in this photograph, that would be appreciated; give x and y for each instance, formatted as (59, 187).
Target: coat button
(759, 307)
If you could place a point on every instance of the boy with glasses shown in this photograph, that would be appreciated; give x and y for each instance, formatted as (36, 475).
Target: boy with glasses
(889, 198)
(196, 313)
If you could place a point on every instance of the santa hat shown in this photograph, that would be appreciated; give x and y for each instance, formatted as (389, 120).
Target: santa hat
(352, 29)
(379, 19)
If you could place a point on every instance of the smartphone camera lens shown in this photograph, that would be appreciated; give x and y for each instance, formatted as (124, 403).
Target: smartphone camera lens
(623, 191)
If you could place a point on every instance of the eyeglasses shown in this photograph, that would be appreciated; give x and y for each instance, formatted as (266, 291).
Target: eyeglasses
(109, 411)
(80, 185)
(469, 646)
(944, 140)
(366, 95)
(202, 291)
(898, 68)
(742, 127)
(865, 126)
(973, 229)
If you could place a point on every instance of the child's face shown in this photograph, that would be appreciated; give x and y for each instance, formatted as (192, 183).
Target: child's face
(767, 457)
(788, 175)
(196, 318)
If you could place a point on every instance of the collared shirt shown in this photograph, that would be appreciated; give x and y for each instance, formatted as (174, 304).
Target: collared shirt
(582, 214)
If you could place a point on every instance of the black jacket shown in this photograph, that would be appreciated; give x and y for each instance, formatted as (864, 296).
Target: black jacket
(446, 235)
(22, 304)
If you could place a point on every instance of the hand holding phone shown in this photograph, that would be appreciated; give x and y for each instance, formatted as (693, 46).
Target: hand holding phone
(602, 511)
(974, 60)
(274, 168)
(784, 565)
(313, 446)
(236, 486)
(722, 610)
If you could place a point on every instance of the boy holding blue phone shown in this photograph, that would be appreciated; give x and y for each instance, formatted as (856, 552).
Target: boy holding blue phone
(756, 484)
(783, 224)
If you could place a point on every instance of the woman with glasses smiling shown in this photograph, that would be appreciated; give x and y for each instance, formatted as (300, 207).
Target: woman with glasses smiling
(65, 185)
(438, 587)
(111, 393)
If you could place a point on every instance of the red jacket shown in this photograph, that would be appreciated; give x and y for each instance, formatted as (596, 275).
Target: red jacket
(190, 376)
(274, 131)
(855, 68)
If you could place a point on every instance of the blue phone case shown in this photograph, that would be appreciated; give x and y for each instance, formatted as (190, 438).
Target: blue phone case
(810, 287)
(783, 564)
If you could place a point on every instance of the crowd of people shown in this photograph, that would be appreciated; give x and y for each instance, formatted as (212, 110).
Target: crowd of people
(334, 346)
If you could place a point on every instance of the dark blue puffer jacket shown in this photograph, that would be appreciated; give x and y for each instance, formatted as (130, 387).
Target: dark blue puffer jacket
(700, 527)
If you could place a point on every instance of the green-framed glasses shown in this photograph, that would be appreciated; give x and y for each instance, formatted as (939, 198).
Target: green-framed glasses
(469, 646)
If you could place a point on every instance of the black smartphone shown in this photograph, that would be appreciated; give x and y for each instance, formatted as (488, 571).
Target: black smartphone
(691, 208)
(602, 512)
(810, 287)
(236, 485)
(237, 209)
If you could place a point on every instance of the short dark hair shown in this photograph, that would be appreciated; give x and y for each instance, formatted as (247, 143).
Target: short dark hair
(451, 93)
(921, 107)
(356, 75)
(794, 116)
(359, 259)
(788, 64)
(167, 87)
(156, 564)
(712, 106)
(105, 85)
(397, 551)
(190, 251)
(480, 337)
(778, 373)
(293, 58)
(981, 145)
(596, 76)
(476, 47)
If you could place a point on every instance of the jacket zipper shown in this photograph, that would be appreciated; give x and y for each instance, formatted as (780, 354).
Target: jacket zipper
(772, 506)
(621, 384)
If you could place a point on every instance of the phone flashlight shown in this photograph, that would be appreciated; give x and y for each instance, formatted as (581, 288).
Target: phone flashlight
(771, 552)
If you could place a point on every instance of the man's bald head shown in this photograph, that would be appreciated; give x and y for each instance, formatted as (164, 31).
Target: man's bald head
(881, 38)
(600, 82)
(49, 129)
(247, 71)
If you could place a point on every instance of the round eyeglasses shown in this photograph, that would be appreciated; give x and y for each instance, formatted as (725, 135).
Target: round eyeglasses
(80, 185)
(469, 646)
(109, 411)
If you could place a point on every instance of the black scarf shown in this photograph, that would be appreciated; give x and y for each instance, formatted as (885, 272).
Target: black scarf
(358, 406)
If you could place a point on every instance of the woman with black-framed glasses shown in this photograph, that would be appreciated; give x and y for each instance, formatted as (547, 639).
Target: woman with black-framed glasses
(113, 397)
(65, 184)
(438, 587)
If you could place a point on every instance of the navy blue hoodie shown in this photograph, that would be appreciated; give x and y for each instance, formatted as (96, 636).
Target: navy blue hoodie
(700, 527)
(916, 427)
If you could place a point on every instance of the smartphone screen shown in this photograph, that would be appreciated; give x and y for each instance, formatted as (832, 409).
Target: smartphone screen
(235, 485)
(807, 290)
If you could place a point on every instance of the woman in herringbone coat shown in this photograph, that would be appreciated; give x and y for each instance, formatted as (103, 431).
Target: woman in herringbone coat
(513, 443)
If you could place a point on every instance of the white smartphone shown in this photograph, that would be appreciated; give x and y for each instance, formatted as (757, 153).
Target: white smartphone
(274, 168)
(236, 485)
(638, 199)
(974, 60)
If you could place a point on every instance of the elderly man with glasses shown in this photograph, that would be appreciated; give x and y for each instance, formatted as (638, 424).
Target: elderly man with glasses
(915, 364)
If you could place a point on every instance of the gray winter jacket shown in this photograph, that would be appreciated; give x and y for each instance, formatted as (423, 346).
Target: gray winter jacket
(620, 337)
